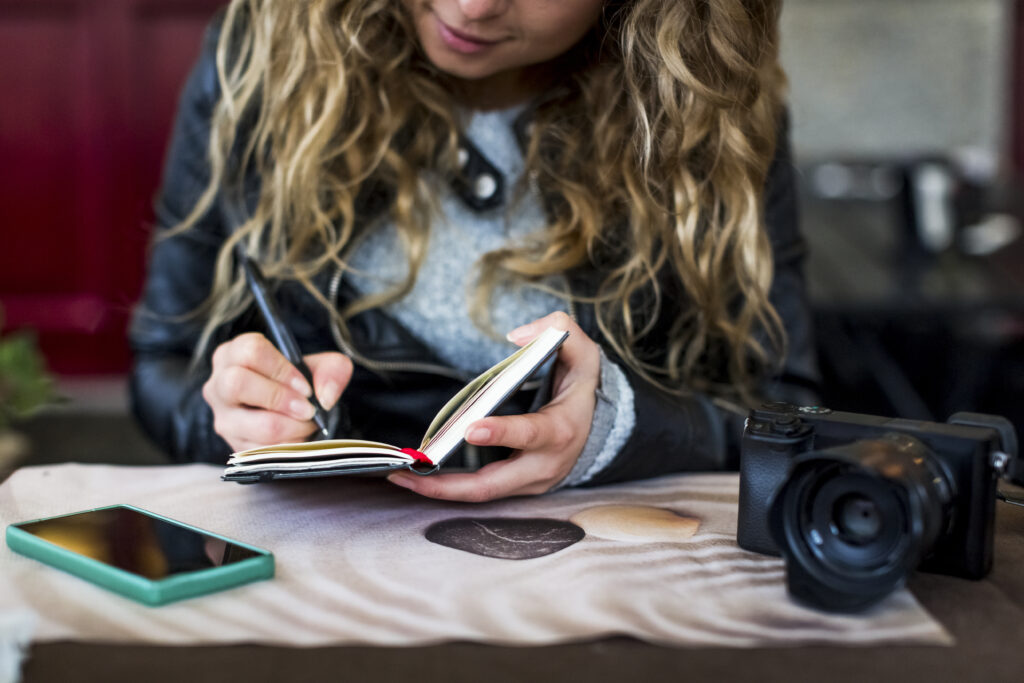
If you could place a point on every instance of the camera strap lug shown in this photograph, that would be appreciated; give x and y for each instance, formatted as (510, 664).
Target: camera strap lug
(1000, 462)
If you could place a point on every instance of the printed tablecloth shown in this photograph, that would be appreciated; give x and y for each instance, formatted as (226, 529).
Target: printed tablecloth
(353, 566)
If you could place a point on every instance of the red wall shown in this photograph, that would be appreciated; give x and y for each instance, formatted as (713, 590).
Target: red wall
(88, 92)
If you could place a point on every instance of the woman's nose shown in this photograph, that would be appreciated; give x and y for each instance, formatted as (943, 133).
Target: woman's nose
(477, 10)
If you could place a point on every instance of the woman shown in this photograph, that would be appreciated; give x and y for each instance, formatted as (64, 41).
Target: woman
(421, 176)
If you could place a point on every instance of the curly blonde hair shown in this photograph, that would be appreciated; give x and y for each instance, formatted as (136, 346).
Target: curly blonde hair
(652, 161)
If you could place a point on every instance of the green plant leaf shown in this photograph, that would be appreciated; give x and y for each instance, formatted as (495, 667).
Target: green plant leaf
(25, 384)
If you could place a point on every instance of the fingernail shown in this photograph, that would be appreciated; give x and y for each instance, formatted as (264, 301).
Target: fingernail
(479, 435)
(520, 333)
(403, 480)
(302, 410)
(300, 385)
(329, 394)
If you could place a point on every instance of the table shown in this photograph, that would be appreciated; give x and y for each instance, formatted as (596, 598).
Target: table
(986, 617)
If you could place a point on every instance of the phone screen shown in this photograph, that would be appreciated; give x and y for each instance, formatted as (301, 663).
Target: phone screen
(138, 543)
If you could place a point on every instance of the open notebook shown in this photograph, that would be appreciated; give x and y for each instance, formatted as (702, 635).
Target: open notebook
(476, 400)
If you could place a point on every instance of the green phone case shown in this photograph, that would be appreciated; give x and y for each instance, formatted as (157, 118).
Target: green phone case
(151, 592)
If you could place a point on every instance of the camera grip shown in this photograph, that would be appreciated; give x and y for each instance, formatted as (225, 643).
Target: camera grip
(772, 437)
(762, 475)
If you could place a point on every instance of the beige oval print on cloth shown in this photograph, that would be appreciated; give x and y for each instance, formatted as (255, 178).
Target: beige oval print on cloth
(636, 523)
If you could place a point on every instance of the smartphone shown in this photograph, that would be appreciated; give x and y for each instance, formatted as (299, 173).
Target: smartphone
(139, 554)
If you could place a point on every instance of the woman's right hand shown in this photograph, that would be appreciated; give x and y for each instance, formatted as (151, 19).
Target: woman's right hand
(259, 398)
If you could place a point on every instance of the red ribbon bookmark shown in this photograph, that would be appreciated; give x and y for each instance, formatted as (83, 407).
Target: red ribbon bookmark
(416, 455)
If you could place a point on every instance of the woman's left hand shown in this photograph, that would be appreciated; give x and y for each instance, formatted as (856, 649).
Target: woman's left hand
(547, 443)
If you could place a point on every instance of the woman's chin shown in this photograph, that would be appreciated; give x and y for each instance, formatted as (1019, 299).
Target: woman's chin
(463, 70)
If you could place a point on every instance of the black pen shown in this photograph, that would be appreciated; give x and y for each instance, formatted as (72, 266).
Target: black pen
(282, 338)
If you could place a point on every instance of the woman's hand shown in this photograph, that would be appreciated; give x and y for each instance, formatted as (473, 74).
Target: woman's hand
(259, 398)
(547, 443)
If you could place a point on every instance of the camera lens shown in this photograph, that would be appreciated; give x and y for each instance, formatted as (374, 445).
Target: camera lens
(855, 520)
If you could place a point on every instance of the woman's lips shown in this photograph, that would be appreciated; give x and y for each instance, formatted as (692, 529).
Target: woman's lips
(461, 42)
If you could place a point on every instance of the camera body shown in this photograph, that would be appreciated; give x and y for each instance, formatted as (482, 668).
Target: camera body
(856, 502)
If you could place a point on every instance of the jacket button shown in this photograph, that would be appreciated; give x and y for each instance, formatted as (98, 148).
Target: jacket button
(484, 186)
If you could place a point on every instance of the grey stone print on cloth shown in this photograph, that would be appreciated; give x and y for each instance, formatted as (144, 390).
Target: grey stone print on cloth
(505, 537)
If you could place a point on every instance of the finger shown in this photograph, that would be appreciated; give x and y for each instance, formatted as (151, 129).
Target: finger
(535, 431)
(520, 475)
(577, 353)
(254, 351)
(238, 385)
(526, 333)
(331, 374)
(260, 427)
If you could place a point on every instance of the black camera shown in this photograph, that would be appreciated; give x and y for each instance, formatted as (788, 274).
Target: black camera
(855, 503)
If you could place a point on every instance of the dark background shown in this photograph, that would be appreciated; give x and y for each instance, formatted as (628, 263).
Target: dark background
(88, 93)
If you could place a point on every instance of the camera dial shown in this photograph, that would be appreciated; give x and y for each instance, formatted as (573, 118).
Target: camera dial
(854, 520)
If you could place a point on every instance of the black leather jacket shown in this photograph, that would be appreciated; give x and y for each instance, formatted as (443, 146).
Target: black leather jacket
(395, 401)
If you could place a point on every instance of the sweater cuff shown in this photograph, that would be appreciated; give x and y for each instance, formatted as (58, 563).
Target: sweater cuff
(613, 424)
